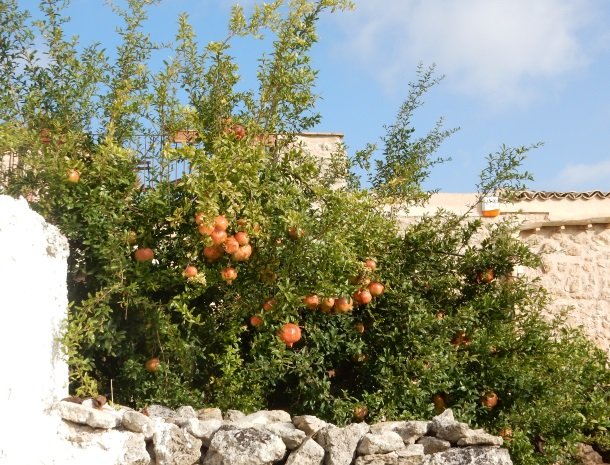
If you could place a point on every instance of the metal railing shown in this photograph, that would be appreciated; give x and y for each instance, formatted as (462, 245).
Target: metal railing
(148, 148)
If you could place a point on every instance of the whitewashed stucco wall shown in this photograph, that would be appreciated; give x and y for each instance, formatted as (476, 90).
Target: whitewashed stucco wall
(33, 306)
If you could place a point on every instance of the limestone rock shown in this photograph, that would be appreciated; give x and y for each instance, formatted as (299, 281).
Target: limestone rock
(209, 414)
(244, 446)
(160, 412)
(80, 414)
(138, 423)
(184, 414)
(384, 426)
(309, 424)
(389, 459)
(186, 411)
(409, 431)
(478, 437)
(470, 456)
(264, 417)
(203, 429)
(587, 455)
(382, 443)
(444, 426)
(340, 443)
(291, 436)
(116, 412)
(411, 450)
(175, 446)
(85, 445)
(233, 415)
(308, 453)
(433, 445)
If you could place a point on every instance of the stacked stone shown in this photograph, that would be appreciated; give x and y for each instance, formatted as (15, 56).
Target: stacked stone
(162, 436)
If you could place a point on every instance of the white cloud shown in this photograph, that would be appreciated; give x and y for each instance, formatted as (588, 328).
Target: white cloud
(584, 176)
(501, 50)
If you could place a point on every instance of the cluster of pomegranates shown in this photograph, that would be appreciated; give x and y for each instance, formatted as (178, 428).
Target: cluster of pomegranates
(291, 333)
(368, 290)
(237, 245)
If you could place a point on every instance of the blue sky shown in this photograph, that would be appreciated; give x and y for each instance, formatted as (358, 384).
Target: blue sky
(516, 72)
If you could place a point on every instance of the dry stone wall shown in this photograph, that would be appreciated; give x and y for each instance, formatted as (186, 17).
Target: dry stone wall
(96, 434)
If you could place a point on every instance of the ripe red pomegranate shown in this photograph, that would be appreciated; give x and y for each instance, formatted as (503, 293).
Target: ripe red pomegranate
(231, 245)
(242, 238)
(190, 271)
(362, 296)
(143, 254)
(269, 303)
(343, 305)
(290, 333)
(212, 253)
(218, 236)
(221, 222)
(295, 233)
(311, 301)
(229, 274)
(376, 288)
(205, 229)
(243, 253)
(327, 304)
(371, 264)
(152, 364)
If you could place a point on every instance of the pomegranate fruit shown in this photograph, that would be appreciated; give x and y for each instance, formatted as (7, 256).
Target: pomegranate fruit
(360, 412)
(231, 245)
(327, 304)
(152, 364)
(362, 296)
(269, 303)
(311, 301)
(242, 238)
(73, 176)
(343, 305)
(229, 274)
(190, 271)
(290, 333)
(295, 233)
(218, 236)
(212, 253)
(143, 254)
(376, 288)
(243, 253)
(221, 222)
(440, 405)
(205, 229)
(490, 400)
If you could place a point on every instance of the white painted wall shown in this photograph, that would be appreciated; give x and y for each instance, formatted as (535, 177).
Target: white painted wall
(33, 307)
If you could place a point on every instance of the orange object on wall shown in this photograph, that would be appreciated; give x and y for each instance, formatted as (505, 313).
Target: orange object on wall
(490, 206)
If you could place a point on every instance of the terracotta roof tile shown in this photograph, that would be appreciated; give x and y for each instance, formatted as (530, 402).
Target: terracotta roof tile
(543, 195)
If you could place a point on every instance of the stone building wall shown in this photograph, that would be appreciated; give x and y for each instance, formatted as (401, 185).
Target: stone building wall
(575, 270)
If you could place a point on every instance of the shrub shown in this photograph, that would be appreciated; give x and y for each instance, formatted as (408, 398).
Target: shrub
(452, 327)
